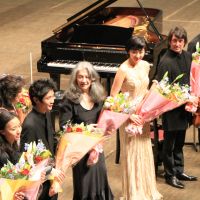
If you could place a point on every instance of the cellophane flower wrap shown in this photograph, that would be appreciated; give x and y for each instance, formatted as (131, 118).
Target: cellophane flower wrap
(116, 110)
(195, 72)
(75, 142)
(24, 176)
(162, 97)
(24, 102)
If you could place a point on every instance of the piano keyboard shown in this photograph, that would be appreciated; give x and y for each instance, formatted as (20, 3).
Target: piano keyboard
(100, 67)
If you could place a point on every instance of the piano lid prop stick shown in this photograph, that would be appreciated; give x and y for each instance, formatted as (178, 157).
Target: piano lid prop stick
(31, 67)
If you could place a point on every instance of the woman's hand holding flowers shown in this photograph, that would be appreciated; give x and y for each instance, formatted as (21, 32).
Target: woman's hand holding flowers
(136, 119)
(192, 104)
(94, 154)
(58, 175)
(135, 126)
(19, 196)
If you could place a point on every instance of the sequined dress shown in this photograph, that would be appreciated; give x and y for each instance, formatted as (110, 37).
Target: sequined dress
(138, 172)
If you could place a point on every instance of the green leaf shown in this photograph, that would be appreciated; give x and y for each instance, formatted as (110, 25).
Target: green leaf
(165, 75)
(197, 47)
(177, 78)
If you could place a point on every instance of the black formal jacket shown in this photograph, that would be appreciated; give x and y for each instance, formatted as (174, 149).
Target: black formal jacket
(38, 126)
(176, 64)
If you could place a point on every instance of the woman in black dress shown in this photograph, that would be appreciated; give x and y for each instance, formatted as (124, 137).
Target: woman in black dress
(82, 103)
(10, 131)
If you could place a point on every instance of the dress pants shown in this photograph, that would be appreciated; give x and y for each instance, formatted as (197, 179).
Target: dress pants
(173, 159)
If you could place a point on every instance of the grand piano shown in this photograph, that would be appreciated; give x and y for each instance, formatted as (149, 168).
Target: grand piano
(98, 34)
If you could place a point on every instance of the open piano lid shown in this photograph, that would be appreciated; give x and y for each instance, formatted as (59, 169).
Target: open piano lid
(98, 34)
(92, 34)
(93, 8)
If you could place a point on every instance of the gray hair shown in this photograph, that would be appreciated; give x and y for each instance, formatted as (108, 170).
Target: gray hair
(97, 91)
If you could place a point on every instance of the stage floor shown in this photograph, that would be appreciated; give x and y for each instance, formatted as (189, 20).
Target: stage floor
(25, 23)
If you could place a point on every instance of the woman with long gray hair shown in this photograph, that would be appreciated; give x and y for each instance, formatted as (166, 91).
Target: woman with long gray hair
(82, 102)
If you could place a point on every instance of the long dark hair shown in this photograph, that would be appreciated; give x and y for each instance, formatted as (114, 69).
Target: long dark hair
(7, 151)
(5, 117)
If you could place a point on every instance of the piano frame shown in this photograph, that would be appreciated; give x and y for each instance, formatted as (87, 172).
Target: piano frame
(62, 46)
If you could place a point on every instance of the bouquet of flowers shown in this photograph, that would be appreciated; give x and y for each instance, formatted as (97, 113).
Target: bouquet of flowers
(195, 72)
(116, 110)
(35, 153)
(25, 175)
(76, 141)
(162, 97)
(24, 102)
(17, 171)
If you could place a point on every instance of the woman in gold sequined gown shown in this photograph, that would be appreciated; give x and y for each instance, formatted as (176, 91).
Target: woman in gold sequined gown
(138, 172)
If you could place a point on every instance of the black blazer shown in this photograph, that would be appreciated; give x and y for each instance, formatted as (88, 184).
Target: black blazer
(175, 64)
(38, 126)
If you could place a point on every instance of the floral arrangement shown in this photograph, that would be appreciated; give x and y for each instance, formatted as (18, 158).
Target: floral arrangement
(75, 141)
(24, 101)
(18, 171)
(24, 176)
(21, 177)
(115, 112)
(35, 153)
(23, 169)
(173, 91)
(119, 103)
(162, 97)
(82, 129)
(196, 55)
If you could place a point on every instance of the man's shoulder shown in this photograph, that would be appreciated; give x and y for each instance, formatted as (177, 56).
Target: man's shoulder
(31, 119)
(166, 58)
(186, 53)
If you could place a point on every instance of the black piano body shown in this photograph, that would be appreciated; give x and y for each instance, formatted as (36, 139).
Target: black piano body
(97, 34)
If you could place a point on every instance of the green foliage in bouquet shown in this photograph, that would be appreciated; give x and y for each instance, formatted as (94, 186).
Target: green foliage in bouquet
(119, 103)
(81, 128)
(35, 153)
(173, 91)
(18, 171)
(196, 55)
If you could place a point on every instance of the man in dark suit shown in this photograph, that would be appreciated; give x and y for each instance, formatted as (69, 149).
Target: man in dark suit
(175, 122)
(37, 125)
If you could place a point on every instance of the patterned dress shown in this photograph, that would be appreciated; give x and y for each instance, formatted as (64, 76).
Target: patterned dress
(138, 177)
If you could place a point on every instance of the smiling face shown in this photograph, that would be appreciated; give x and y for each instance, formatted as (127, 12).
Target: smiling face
(83, 80)
(136, 56)
(47, 102)
(12, 130)
(177, 44)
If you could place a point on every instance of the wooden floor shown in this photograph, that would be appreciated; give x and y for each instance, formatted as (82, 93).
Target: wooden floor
(25, 23)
